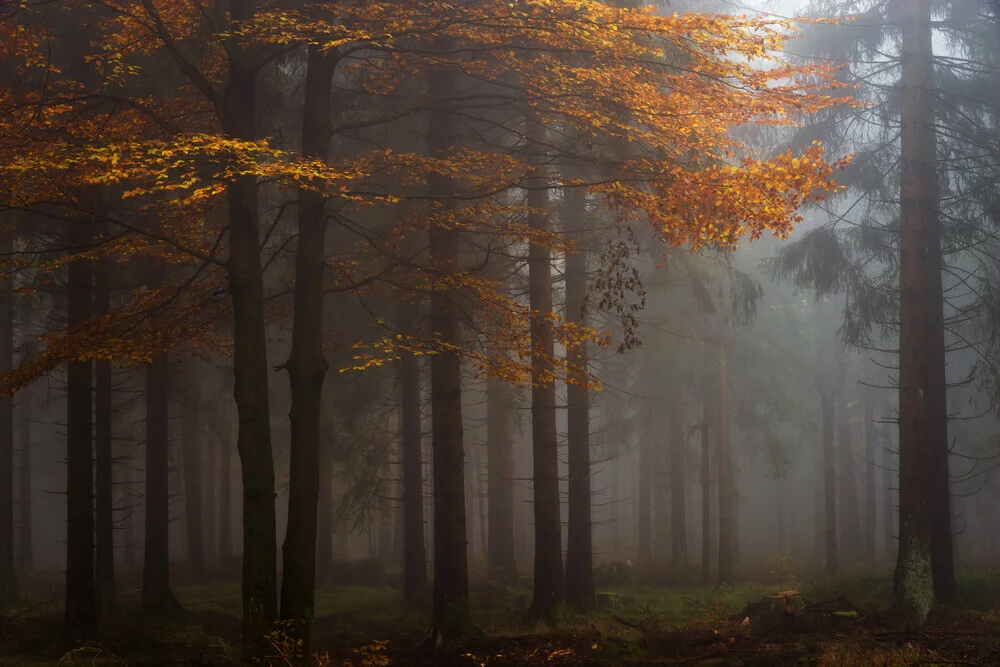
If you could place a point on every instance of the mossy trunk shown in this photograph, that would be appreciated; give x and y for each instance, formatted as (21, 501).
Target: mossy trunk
(919, 315)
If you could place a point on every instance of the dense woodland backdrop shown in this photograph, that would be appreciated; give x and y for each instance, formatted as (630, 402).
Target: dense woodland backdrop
(306, 293)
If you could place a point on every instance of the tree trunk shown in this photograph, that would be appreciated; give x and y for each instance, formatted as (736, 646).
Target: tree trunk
(25, 558)
(81, 595)
(849, 511)
(104, 492)
(706, 487)
(580, 592)
(414, 554)
(250, 370)
(500, 485)
(324, 514)
(829, 480)
(644, 513)
(307, 366)
(210, 498)
(451, 617)
(157, 598)
(227, 556)
(890, 482)
(870, 471)
(678, 474)
(8, 579)
(548, 580)
(727, 523)
(193, 491)
(919, 322)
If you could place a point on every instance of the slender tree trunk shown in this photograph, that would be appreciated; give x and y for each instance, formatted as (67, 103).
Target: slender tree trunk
(81, 595)
(500, 484)
(548, 581)
(727, 523)
(157, 598)
(580, 592)
(250, 370)
(227, 556)
(644, 537)
(850, 512)
(829, 480)
(919, 322)
(706, 488)
(780, 516)
(415, 586)
(890, 482)
(307, 366)
(324, 514)
(104, 492)
(870, 470)
(26, 560)
(210, 511)
(193, 491)
(8, 580)
(678, 475)
(451, 617)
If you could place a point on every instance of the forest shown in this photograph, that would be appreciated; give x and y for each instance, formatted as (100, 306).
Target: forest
(499, 332)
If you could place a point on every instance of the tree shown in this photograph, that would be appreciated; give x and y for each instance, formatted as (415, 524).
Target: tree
(579, 585)
(157, 597)
(8, 581)
(103, 440)
(415, 587)
(306, 363)
(921, 342)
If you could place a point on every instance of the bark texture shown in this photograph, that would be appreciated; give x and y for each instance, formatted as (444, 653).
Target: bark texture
(415, 586)
(104, 490)
(501, 541)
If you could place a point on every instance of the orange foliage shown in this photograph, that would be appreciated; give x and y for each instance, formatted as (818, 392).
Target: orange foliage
(654, 100)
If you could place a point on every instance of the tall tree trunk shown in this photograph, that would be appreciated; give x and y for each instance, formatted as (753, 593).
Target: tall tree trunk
(104, 491)
(919, 323)
(678, 475)
(849, 510)
(500, 484)
(227, 557)
(26, 560)
(706, 487)
(727, 523)
(580, 592)
(890, 482)
(451, 617)
(8, 579)
(210, 499)
(157, 598)
(644, 513)
(307, 365)
(193, 462)
(829, 480)
(548, 581)
(870, 471)
(81, 595)
(415, 586)
(324, 514)
(246, 289)
(780, 516)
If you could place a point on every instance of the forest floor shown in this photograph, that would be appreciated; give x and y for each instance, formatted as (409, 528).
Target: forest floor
(835, 621)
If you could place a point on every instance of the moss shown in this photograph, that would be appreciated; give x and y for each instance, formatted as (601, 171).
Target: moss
(915, 586)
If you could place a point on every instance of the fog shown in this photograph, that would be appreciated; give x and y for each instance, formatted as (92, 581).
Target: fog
(430, 291)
